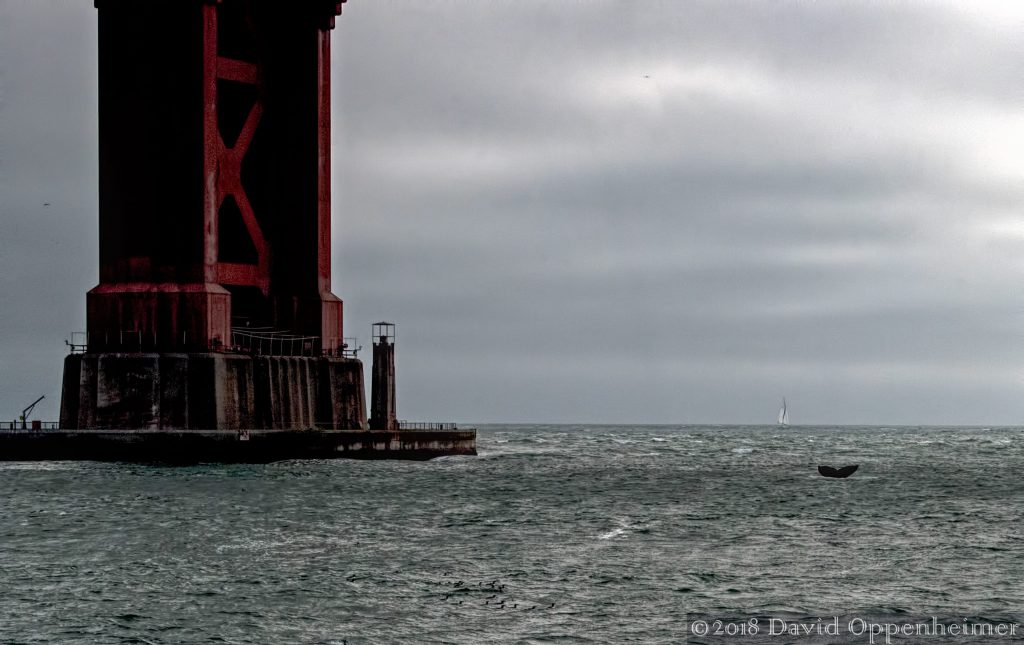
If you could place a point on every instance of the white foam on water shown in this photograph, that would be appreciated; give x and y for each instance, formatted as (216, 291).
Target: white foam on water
(611, 534)
(623, 528)
(40, 465)
(254, 544)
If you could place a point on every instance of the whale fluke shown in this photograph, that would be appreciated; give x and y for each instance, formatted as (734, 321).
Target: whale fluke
(845, 471)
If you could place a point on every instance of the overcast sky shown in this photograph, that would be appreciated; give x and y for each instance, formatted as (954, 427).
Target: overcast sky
(598, 211)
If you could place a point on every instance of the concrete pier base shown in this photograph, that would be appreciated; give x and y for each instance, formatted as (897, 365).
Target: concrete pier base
(164, 391)
(222, 446)
(219, 407)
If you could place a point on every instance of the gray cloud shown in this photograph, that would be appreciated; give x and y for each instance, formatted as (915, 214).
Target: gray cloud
(661, 211)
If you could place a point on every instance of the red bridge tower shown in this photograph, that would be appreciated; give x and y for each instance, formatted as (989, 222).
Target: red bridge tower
(214, 307)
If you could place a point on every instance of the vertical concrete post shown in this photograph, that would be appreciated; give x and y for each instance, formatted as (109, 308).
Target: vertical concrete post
(383, 414)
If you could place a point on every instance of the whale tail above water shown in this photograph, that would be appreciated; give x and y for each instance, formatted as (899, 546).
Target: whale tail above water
(845, 471)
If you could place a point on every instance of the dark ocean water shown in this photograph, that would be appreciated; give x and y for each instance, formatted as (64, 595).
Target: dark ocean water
(630, 532)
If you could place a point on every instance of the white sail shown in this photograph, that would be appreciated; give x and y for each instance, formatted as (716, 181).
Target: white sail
(783, 414)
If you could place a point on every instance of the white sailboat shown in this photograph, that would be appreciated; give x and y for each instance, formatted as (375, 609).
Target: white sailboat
(783, 414)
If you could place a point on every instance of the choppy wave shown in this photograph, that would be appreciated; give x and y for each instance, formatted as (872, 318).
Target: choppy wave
(554, 534)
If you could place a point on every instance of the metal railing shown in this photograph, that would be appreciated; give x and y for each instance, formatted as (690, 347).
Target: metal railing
(78, 343)
(131, 341)
(350, 347)
(6, 426)
(427, 425)
(29, 425)
(269, 342)
(258, 341)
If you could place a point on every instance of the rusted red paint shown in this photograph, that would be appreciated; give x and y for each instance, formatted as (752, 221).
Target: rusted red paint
(229, 180)
(324, 158)
(211, 136)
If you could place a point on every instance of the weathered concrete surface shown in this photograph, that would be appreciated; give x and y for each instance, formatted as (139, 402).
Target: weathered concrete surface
(215, 390)
(222, 446)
